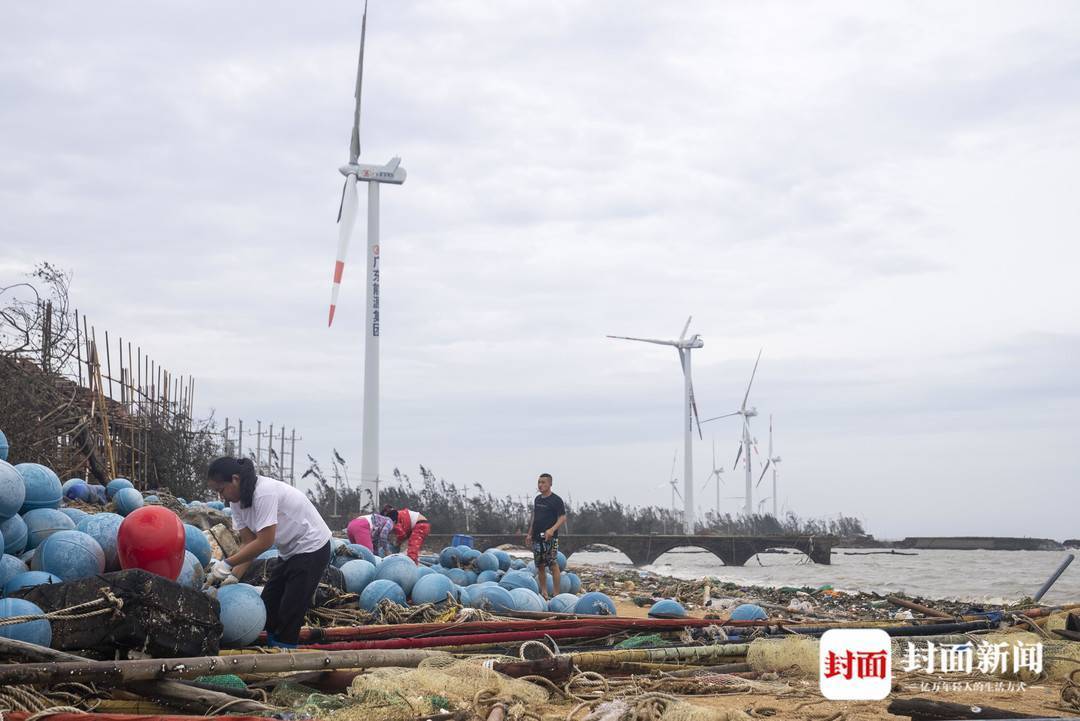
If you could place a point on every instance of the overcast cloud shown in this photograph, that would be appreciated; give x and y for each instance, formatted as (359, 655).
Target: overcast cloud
(882, 195)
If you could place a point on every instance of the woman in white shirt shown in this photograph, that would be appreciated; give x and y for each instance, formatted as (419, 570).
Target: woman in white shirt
(270, 513)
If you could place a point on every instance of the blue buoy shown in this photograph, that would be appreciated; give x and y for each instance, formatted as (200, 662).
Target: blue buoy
(526, 600)
(504, 559)
(358, 574)
(449, 557)
(42, 487)
(399, 569)
(564, 584)
(75, 514)
(748, 612)
(458, 576)
(462, 549)
(595, 603)
(422, 571)
(26, 557)
(465, 596)
(667, 608)
(14, 532)
(488, 576)
(242, 615)
(127, 500)
(192, 573)
(519, 579)
(486, 561)
(12, 490)
(4, 447)
(77, 491)
(560, 558)
(434, 588)
(496, 599)
(563, 603)
(575, 583)
(29, 579)
(471, 577)
(68, 484)
(115, 485)
(42, 523)
(10, 567)
(152, 500)
(379, 589)
(216, 505)
(103, 527)
(469, 556)
(71, 555)
(38, 632)
(517, 564)
(268, 553)
(195, 541)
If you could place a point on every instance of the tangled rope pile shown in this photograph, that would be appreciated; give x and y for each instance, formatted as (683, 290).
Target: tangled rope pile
(55, 700)
(389, 613)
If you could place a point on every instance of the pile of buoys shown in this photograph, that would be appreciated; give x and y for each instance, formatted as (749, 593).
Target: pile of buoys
(491, 580)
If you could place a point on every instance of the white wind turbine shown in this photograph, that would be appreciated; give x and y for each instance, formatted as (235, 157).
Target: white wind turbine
(673, 483)
(771, 462)
(747, 441)
(683, 346)
(716, 473)
(373, 175)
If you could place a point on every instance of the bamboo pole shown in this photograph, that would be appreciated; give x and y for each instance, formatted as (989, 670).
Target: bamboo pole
(108, 363)
(911, 605)
(104, 414)
(153, 669)
(175, 693)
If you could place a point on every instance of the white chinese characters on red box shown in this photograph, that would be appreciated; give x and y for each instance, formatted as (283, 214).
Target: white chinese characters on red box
(856, 664)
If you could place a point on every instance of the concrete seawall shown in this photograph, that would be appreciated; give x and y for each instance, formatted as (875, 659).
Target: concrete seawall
(986, 543)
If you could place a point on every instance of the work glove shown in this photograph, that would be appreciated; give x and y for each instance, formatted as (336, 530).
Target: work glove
(219, 574)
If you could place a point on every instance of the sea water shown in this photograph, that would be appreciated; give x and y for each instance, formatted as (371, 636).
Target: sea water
(980, 576)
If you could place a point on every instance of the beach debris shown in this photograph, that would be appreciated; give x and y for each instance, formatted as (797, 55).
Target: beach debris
(1053, 577)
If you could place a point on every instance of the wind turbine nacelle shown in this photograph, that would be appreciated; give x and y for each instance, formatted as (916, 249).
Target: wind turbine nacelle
(750, 412)
(392, 172)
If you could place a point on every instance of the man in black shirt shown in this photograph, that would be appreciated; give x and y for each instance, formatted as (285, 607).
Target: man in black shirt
(549, 514)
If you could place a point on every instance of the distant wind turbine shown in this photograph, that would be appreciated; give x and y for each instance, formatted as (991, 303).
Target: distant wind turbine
(747, 440)
(716, 473)
(373, 175)
(771, 462)
(683, 346)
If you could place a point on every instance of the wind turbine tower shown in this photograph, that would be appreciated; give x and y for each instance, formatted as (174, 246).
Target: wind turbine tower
(683, 346)
(771, 462)
(747, 440)
(373, 175)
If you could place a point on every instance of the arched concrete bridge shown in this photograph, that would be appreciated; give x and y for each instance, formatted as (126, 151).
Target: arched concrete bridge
(643, 550)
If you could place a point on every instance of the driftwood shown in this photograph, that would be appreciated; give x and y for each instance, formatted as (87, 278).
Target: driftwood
(178, 694)
(151, 669)
(925, 610)
(922, 709)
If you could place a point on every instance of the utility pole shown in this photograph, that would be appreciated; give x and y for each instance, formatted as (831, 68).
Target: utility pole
(292, 459)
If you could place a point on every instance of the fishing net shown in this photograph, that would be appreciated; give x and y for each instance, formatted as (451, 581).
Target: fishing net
(655, 707)
(392, 694)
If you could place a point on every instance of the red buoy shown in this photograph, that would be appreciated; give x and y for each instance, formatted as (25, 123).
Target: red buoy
(152, 538)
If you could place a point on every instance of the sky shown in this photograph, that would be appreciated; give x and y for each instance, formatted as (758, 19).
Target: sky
(881, 196)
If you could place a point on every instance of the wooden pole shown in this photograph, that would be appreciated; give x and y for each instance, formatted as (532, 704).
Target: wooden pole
(911, 605)
(281, 456)
(78, 350)
(161, 668)
(175, 693)
(108, 363)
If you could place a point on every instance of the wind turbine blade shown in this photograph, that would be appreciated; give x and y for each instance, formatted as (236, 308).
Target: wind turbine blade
(645, 340)
(685, 328)
(726, 415)
(354, 143)
(677, 493)
(714, 454)
(754, 373)
(346, 222)
(767, 463)
(737, 457)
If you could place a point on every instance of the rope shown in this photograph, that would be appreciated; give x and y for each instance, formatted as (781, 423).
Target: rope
(534, 644)
(113, 604)
(55, 710)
